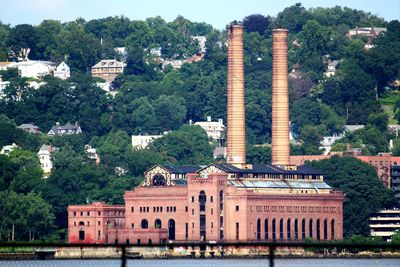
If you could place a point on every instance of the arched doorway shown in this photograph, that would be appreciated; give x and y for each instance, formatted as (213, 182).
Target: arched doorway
(157, 224)
(171, 229)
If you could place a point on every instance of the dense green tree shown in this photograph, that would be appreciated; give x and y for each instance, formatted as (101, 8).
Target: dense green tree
(4, 30)
(257, 23)
(364, 192)
(170, 112)
(82, 49)
(259, 154)
(28, 214)
(292, 18)
(23, 36)
(188, 145)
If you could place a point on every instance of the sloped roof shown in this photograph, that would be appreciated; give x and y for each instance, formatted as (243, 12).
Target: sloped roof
(296, 184)
(183, 169)
(109, 63)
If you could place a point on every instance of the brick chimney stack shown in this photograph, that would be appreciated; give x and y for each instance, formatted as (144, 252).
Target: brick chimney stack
(280, 99)
(236, 135)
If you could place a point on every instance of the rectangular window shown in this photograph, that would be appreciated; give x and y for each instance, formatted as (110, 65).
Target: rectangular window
(74, 213)
(98, 235)
(186, 231)
(99, 213)
(98, 223)
(174, 209)
(154, 209)
(160, 209)
(192, 199)
(192, 224)
(211, 199)
(237, 208)
(237, 231)
(132, 209)
(212, 211)
(192, 211)
(133, 225)
(167, 209)
(186, 209)
(88, 213)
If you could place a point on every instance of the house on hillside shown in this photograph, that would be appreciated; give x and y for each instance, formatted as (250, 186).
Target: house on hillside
(331, 68)
(29, 128)
(214, 129)
(34, 68)
(62, 71)
(108, 69)
(65, 129)
(142, 141)
(6, 150)
(44, 155)
(370, 32)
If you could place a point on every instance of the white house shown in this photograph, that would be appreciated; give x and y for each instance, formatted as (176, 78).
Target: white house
(6, 150)
(62, 71)
(214, 129)
(34, 68)
(331, 70)
(44, 155)
(142, 141)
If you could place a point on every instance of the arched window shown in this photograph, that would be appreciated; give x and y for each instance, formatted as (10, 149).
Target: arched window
(157, 224)
(158, 180)
(281, 229)
(266, 229)
(325, 229)
(81, 223)
(296, 229)
(311, 229)
(202, 200)
(288, 229)
(144, 224)
(333, 229)
(318, 230)
(259, 229)
(171, 229)
(274, 229)
(303, 229)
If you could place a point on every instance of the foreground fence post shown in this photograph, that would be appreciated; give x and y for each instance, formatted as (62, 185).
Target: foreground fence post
(271, 255)
(123, 256)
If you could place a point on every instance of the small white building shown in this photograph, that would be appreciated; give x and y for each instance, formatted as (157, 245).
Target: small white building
(6, 150)
(62, 71)
(3, 85)
(92, 153)
(214, 129)
(331, 70)
(202, 42)
(142, 141)
(44, 155)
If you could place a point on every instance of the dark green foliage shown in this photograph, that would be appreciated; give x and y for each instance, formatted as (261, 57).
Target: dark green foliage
(188, 145)
(259, 154)
(364, 192)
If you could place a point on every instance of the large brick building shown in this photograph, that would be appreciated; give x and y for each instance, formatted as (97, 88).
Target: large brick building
(234, 201)
(218, 202)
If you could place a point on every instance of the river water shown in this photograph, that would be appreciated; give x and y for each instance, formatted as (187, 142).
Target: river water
(207, 262)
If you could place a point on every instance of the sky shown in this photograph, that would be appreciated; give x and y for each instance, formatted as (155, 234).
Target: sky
(218, 13)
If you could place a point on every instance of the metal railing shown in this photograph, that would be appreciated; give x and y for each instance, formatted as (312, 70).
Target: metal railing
(42, 249)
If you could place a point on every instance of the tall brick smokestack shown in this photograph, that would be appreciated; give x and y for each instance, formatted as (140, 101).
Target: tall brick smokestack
(280, 99)
(236, 135)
